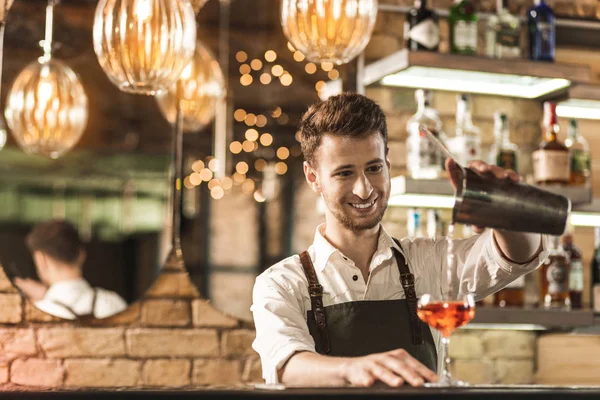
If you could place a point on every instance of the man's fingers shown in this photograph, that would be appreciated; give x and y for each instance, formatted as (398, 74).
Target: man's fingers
(404, 369)
(385, 374)
(422, 369)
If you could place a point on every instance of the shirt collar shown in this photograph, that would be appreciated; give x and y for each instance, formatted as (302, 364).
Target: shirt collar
(62, 289)
(324, 249)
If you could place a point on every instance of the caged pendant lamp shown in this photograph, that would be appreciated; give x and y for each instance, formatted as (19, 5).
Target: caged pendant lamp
(144, 45)
(46, 106)
(201, 86)
(333, 31)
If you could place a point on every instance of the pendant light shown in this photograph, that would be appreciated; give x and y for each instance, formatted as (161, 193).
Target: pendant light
(202, 85)
(46, 106)
(144, 45)
(198, 4)
(334, 31)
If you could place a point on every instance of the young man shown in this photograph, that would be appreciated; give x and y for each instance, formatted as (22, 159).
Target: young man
(360, 278)
(59, 255)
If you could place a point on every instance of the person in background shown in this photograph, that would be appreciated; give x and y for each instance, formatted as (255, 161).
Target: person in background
(343, 313)
(59, 255)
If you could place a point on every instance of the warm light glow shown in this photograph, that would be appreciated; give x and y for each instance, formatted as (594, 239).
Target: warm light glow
(297, 136)
(265, 78)
(250, 119)
(260, 165)
(320, 85)
(137, 50)
(213, 165)
(248, 186)
(213, 183)
(281, 168)
(238, 178)
(578, 109)
(217, 193)
(197, 4)
(47, 108)
(227, 183)
(261, 121)
(333, 74)
(258, 196)
(256, 64)
(241, 167)
(198, 93)
(326, 66)
(206, 174)
(310, 68)
(286, 79)
(252, 135)
(245, 69)
(277, 70)
(270, 55)
(241, 56)
(283, 119)
(249, 146)
(290, 47)
(187, 183)
(239, 115)
(298, 56)
(327, 30)
(266, 139)
(198, 166)
(235, 147)
(246, 80)
(195, 179)
(283, 153)
(276, 112)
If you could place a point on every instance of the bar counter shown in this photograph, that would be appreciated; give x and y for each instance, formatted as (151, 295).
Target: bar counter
(487, 392)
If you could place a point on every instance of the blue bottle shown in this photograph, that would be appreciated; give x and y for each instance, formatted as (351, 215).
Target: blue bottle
(541, 32)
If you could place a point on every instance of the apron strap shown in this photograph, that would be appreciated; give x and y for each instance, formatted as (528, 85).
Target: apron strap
(94, 303)
(408, 284)
(315, 291)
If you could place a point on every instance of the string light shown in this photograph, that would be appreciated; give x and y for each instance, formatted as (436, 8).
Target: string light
(333, 74)
(277, 70)
(260, 165)
(310, 68)
(252, 135)
(213, 183)
(276, 112)
(248, 146)
(213, 165)
(261, 121)
(241, 56)
(298, 56)
(258, 196)
(281, 168)
(256, 64)
(283, 153)
(187, 183)
(217, 193)
(197, 165)
(227, 183)
(320, 85)
(250, 119)
(239, 115)
(206, 174)
(235, 147)
(286, 79)
(265, 78)
(246, 80)
(248, 186)
(195, 179)
(266, 139)
(290, 47)
(245, 69)
(326, 66)
(238, 178)
(270, 55)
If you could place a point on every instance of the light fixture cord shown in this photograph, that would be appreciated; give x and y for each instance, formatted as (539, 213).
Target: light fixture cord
(47, 44)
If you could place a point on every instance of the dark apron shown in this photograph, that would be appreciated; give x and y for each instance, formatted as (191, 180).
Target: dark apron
(359, 328)
(80, 317)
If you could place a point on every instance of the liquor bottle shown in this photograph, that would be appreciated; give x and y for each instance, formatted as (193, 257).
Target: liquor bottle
(541, 25)
(595, 275)
(579, 154)
(503, 36)
(423, 159)
(576, 271)
(555, 277)
(434, 223)
(421, 30)
(466, 144)
(503, 152)
(463, 28)
(551, 159)
(414, 225)
(512, 295)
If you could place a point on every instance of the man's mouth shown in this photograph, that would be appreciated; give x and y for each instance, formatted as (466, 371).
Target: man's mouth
(364, 206)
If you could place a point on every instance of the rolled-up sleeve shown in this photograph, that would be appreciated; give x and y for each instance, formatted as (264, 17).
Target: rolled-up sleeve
(280, 324)
(480, 267)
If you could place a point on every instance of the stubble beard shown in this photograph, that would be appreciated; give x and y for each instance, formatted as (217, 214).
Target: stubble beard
(350, 224)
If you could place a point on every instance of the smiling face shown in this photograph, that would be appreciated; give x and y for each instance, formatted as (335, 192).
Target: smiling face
(353, 176)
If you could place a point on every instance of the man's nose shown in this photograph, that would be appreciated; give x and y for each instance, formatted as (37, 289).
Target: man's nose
(362, 187)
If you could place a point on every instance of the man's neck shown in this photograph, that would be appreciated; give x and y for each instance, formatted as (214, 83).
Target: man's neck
(358, 245)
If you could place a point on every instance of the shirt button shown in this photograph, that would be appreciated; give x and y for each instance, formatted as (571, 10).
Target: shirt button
(355, 278)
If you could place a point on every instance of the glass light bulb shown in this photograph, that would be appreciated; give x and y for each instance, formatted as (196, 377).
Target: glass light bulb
(333, 31)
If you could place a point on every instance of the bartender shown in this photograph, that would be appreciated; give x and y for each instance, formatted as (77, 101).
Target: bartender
(352, 271)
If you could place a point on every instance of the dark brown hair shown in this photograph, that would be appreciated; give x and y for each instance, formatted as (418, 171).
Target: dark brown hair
(56, 238)
(347, 114)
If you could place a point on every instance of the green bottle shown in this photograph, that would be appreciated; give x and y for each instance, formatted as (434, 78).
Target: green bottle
(463, 28)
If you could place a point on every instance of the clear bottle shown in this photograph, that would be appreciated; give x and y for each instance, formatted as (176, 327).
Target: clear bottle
(576, 271)
(414, 223)
(551, 159)
(503, 152)
(579, 154)
(554, 274)
(466, 144)
(503, 35)
(421, 30)
(463, 28)
(512, 295)
(434, 223)
(541, 24)
(423, 159)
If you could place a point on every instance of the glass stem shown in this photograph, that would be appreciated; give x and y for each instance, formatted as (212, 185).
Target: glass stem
(446, 359)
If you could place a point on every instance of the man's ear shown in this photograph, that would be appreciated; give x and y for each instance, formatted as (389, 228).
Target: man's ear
(311, 177)
(82, 257)
(40, 260)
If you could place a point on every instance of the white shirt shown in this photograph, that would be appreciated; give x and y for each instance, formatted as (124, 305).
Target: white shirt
(281, 299)
(78, 295)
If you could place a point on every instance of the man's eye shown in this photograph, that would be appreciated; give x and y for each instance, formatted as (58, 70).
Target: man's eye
(376, 168)
(344, 174)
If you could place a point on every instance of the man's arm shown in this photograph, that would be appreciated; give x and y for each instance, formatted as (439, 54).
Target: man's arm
(518, 247)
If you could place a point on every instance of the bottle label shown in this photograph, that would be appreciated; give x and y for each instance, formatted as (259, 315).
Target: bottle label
(580, 161)
(422, 154)
(425, 33)
(576, 276)
(507, 159)
(465, 35)
(508, 37)
(556, 274)
(550, 165)
(546, 31)
(518, 283)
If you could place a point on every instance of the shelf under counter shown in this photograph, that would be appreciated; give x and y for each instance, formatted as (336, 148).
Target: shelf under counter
(530, 318)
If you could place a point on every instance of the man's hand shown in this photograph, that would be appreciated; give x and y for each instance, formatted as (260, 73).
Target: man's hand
(482, 169)
(33, 289)
(393, 368)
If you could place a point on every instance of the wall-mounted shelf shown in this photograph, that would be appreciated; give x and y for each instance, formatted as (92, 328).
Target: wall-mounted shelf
(531, 318)
(438, 193)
